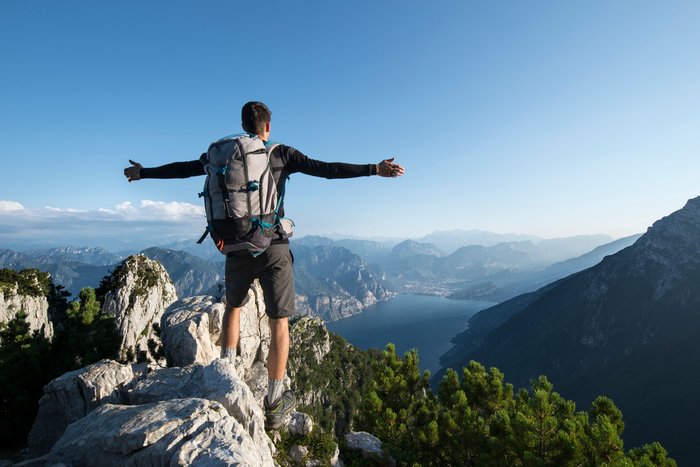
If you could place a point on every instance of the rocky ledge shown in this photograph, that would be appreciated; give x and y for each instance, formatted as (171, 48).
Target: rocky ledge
(199, 411)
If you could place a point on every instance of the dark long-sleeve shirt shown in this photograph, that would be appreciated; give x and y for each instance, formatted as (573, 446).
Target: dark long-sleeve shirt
(293, 161)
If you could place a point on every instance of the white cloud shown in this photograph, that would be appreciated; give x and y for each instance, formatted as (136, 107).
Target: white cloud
(6, 206)
(64, 209)
(150, 210)
(147, 223)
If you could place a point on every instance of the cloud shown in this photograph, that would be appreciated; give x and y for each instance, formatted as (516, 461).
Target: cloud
(10, 206)
(125, 225)
(148, 210)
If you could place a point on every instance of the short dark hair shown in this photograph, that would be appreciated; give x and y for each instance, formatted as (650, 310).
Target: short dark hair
(254, 116)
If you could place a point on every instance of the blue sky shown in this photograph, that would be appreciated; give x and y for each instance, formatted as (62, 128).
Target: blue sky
(544, 118)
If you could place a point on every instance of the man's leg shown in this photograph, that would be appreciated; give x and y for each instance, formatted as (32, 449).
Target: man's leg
(239, 276)
(279, 348)
(231, 330)
(278, 403)
(277, 282)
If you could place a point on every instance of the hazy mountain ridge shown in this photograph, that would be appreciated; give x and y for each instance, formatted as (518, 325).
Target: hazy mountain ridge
(331, 282)
(451, 240)
(73, 274)
(495, 272)
(508, 284)
(190, 274)
(627, 327)
(87, 255)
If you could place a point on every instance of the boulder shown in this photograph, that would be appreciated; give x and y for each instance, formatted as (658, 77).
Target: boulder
(300, 424)
(370, 446)
(70, 397)
(185, 332)
(216, 382)
(188, 431)
(298, 453)
(191, 331)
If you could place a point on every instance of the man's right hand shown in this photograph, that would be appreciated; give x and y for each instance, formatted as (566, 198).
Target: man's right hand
(134, 172)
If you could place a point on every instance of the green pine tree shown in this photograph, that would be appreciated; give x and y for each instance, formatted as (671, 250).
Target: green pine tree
(24, 360)
(87, 336)
(401, 409)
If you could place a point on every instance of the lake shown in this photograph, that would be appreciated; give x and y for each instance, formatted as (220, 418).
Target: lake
(422, 322)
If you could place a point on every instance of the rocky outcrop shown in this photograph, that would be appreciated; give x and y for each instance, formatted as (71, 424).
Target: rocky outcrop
(27, 291)
(309, 345)
(201, 411)
(113, 414)
(73, 395)
(371, 448)
(311, 333)
(191, 431)
(138, 292)
(36, 308)
(215, 382)
(204, 411)
(191, 331)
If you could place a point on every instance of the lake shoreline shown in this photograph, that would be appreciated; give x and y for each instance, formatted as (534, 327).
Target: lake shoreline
(424, 322)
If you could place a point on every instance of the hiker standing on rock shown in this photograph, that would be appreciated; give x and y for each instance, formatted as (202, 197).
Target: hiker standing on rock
(244, 200)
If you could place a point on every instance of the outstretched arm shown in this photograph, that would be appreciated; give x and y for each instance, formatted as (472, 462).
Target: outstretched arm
(174, 170)
(296, 161)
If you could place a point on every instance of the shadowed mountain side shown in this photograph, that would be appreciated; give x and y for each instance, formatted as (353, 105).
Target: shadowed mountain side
(616, 328)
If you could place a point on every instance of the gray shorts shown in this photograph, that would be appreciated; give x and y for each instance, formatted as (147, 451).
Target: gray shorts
(274, 270)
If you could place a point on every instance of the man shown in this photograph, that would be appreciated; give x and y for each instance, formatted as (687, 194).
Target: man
(273, 267)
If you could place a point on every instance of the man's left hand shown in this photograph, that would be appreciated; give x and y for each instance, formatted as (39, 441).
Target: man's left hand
(387, 168)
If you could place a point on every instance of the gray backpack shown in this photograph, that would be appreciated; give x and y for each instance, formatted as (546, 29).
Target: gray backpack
(240, 195)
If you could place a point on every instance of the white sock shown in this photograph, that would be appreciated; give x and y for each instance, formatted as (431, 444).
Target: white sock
(228, 354)
(275, 387)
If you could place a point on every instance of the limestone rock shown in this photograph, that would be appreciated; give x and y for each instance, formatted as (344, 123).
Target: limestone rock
(309, 344)
(191, 331)
(254, 343)
(297, 453)
(216, 382)
(335, 459)
(176, 432)
(310, 332)
(256, 379)
(70, 397)
(185, 332)
(300, 424)
(36, 308)
(139, 292)
(370, 446)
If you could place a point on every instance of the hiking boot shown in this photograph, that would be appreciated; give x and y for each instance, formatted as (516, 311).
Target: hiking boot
(277, 412)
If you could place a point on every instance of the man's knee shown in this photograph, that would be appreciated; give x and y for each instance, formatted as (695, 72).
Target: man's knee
(231, 312)
(279, 325)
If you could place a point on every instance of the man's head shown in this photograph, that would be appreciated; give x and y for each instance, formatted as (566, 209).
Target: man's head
(255, 118)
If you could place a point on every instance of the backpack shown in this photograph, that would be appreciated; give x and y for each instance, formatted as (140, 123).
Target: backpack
(240, 195)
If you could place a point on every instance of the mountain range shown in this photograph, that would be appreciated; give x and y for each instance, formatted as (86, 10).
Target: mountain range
(627, 327)
(338, 278)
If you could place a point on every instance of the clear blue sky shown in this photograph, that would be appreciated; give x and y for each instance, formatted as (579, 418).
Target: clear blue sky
(545, 118)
